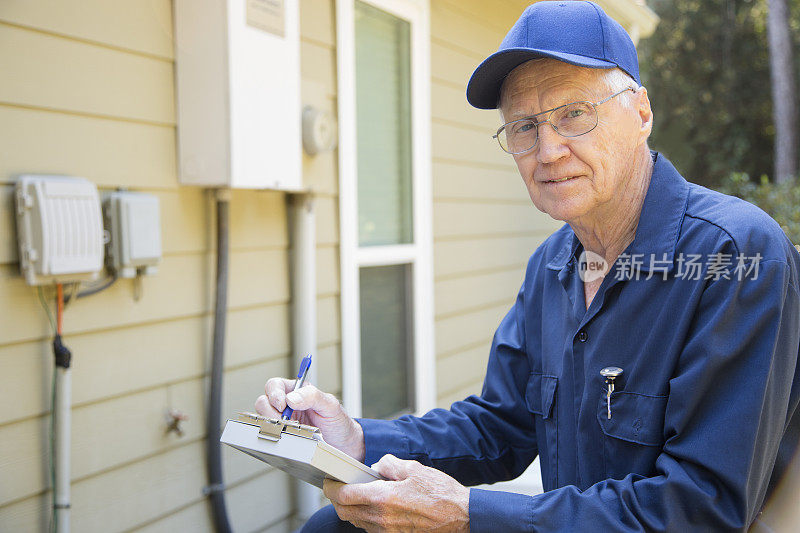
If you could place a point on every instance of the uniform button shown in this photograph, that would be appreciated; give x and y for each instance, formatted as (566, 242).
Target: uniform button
(582, 336)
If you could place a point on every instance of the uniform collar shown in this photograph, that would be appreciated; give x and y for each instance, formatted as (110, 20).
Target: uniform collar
(659, 223)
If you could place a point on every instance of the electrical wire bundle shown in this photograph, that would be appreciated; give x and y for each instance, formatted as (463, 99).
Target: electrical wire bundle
(61, 386)
(63, 359)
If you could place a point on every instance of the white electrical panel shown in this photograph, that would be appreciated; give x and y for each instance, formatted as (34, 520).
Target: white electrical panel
(59, 229)
(133, 221)
(237, 66)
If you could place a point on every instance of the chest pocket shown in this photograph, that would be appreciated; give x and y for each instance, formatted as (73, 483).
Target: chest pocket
(633, 437)
(540, 394)
(540, 398)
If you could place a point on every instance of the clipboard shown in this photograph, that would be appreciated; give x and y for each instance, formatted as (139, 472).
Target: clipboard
(295, 448)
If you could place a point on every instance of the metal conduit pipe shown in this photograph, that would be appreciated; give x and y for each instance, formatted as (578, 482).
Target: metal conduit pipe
(304, 317)
(63, 425)
(304, 312)
(216, 487)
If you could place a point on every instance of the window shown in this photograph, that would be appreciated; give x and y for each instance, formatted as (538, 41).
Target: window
(387, 370)
(383, 127)
(385, 207)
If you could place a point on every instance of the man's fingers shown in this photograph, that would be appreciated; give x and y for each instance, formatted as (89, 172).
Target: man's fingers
(310, 397)
(264, 408)
(361, 504)
(343, 493)
(361, 516)
(418, 497)
(279, 394)
(331, 488)
(275, 391)
(304, 398)
(395, 469)
(355, 493)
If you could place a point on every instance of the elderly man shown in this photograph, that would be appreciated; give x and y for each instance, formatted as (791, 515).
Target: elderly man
(650, 358)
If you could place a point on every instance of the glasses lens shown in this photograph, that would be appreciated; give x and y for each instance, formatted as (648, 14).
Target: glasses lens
(518, 136)
(574, 119)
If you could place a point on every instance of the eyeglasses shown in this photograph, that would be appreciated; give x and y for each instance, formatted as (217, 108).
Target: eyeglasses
(568, 120)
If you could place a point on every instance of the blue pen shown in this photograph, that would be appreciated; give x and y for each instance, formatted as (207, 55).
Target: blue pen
(302, 374)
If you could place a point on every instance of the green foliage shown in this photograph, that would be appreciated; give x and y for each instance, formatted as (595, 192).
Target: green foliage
(706, 69)
(780, 200)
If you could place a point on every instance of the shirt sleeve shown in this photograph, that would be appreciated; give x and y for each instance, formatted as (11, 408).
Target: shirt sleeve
(481, 439)
(731, 399)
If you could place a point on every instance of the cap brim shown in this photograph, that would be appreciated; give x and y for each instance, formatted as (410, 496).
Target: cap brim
(483, 89)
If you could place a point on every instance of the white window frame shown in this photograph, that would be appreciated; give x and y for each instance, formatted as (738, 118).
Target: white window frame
(419, 254)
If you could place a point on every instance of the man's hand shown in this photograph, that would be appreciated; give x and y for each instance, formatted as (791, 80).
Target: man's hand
(417, 498)
(315, 408)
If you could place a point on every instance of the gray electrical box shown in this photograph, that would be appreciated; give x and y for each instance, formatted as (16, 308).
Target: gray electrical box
(237, 76)
(59, 229)
(133, 221)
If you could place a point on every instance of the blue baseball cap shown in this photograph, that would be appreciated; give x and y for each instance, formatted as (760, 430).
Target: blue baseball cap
(575, 32)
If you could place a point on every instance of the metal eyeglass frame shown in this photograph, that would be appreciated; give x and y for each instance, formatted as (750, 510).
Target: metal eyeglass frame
(549, 113)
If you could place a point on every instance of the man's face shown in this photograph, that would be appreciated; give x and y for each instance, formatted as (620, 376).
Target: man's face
(599, 164)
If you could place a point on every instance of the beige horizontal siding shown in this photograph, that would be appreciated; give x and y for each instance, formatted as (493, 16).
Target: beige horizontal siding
(247, 513)
(141, 26)
(468, 366)
(320, 171)
(465, 329)
(90, 93)
(446, 400)
(485, 226)
(458, 295)
(126, 428)
(464, 257)
(499, 18)
(160, 486)
(8, 239)
(481, 219)
(318, 22)
(109, 152)
(328, 271)
(171, 348)
(61, 73)
(177, 291)
(452, 141)
(452, 24)
(451, 65)
(196, 518)
(318, 65)
(462, 180)
(449, 104)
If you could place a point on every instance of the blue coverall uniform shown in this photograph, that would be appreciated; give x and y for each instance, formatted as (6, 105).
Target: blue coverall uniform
(704, 418)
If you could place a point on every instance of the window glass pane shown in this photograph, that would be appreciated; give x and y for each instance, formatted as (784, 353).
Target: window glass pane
(386, 345)
(383, 119)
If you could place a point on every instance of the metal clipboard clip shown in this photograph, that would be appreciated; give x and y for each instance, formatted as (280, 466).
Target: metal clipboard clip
(273, 428)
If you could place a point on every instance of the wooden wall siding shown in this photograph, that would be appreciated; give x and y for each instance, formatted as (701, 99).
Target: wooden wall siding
(137, 26)
(89, 90)
(485, 226)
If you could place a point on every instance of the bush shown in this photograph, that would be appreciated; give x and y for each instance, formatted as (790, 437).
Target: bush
(780, 200)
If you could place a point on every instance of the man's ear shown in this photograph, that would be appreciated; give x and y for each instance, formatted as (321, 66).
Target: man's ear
(645, 113)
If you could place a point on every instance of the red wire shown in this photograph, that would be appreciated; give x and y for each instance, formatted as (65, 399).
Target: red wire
(59, 306)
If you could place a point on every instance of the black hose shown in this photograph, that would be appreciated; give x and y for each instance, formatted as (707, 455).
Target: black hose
(213, 447)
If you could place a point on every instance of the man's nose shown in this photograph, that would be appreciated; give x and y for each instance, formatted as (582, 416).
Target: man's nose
(552, 146)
